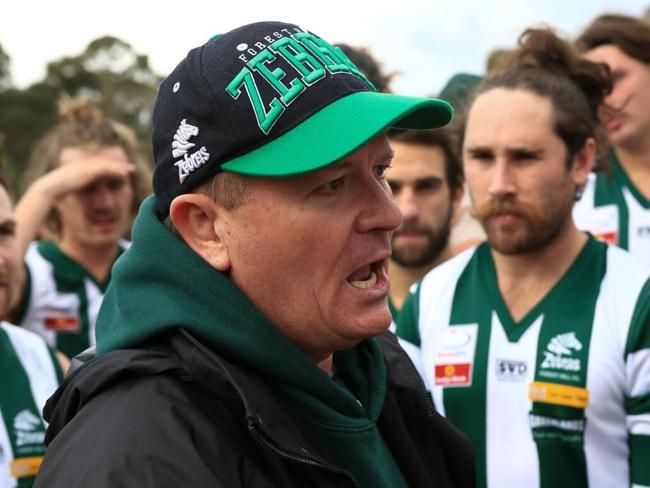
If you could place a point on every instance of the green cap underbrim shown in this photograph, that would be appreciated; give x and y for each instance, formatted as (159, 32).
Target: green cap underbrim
(339, 129)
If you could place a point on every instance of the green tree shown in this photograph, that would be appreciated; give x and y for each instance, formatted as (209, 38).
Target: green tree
(5, 73)
(5, 82)
(25, 117)
(109, 72)
(114, 77)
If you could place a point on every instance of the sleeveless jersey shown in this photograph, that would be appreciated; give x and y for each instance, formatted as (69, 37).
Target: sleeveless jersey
(61, 299)
(29, 374)
(615, 211)
(559, 399)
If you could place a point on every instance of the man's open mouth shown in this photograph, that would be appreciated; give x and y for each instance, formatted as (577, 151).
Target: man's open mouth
(366, 276)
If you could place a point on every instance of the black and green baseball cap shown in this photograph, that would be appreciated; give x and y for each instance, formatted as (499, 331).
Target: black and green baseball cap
(269, 99)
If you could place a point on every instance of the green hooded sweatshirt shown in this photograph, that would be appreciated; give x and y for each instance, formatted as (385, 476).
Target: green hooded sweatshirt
(161, 284)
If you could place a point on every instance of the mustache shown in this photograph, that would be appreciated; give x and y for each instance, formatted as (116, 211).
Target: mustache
(410, 228)
(495, 207)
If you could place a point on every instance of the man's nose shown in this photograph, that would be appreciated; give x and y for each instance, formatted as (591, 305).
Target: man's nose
(103, 196)
(501, 180)
(379, 211)
(406, 201)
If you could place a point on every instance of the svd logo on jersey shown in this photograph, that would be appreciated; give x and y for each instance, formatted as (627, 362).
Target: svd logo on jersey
(511, 370)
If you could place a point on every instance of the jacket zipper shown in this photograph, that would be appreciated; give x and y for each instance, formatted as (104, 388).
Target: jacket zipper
(257, 433)
(261, 439)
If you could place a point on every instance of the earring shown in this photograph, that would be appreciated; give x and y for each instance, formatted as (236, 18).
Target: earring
(580, 189)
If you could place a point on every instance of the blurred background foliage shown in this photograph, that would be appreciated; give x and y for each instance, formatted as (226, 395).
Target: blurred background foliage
(109, 72)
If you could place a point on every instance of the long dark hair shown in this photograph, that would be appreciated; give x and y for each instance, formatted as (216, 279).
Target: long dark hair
(630, 34)
(551, 68)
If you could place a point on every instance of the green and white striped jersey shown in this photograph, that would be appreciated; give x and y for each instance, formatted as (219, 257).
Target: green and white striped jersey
(29, 374)
(61, 299)
(559, 399)
(614, 210)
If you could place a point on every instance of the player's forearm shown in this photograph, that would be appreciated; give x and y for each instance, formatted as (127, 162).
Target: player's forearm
(31, 212)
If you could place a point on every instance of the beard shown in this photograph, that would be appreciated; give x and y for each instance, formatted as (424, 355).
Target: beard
(8, 296)
(410, 256)
(535, 227)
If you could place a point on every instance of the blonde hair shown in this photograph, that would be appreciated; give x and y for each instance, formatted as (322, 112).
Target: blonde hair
(83, 125)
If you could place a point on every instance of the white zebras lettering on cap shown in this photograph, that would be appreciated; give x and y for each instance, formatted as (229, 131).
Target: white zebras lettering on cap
(181, 143)
(180, 147)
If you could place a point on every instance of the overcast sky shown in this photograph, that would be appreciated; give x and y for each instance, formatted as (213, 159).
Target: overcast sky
(426, 41)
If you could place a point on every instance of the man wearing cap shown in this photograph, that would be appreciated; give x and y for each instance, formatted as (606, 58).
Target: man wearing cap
(241, 340)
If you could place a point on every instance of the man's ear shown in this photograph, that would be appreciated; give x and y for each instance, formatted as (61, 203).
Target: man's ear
(196, 217)
(583, 162)
(456, 199)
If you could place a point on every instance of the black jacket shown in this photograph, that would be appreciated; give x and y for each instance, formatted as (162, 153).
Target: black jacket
(175, 414)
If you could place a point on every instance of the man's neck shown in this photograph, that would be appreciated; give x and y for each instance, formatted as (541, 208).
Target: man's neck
(97, 260)
(635, 161)
(327, 365)
(402, 277)
(525, 279)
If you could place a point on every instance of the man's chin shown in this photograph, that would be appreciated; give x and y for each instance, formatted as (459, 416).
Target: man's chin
(411, 259)
(4, 302)
(408, 256)
(103, 240)
(373, 323)
(517, 243)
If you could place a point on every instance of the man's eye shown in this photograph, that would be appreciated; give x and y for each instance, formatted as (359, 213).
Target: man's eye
(333, 185)
(88, 189)
(395, 187)
(7, 229)
(524, 158)
(116, 184)
(481, 156)
(380, 171)
(427, 186)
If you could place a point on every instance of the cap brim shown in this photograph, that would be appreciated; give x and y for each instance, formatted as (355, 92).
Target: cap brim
(338, 130)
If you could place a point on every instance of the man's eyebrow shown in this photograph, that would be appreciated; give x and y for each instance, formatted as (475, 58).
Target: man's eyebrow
(388, 155)
(526, 151)
(534, 151)
(474, 149)
(478, 150)
(345, 162)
